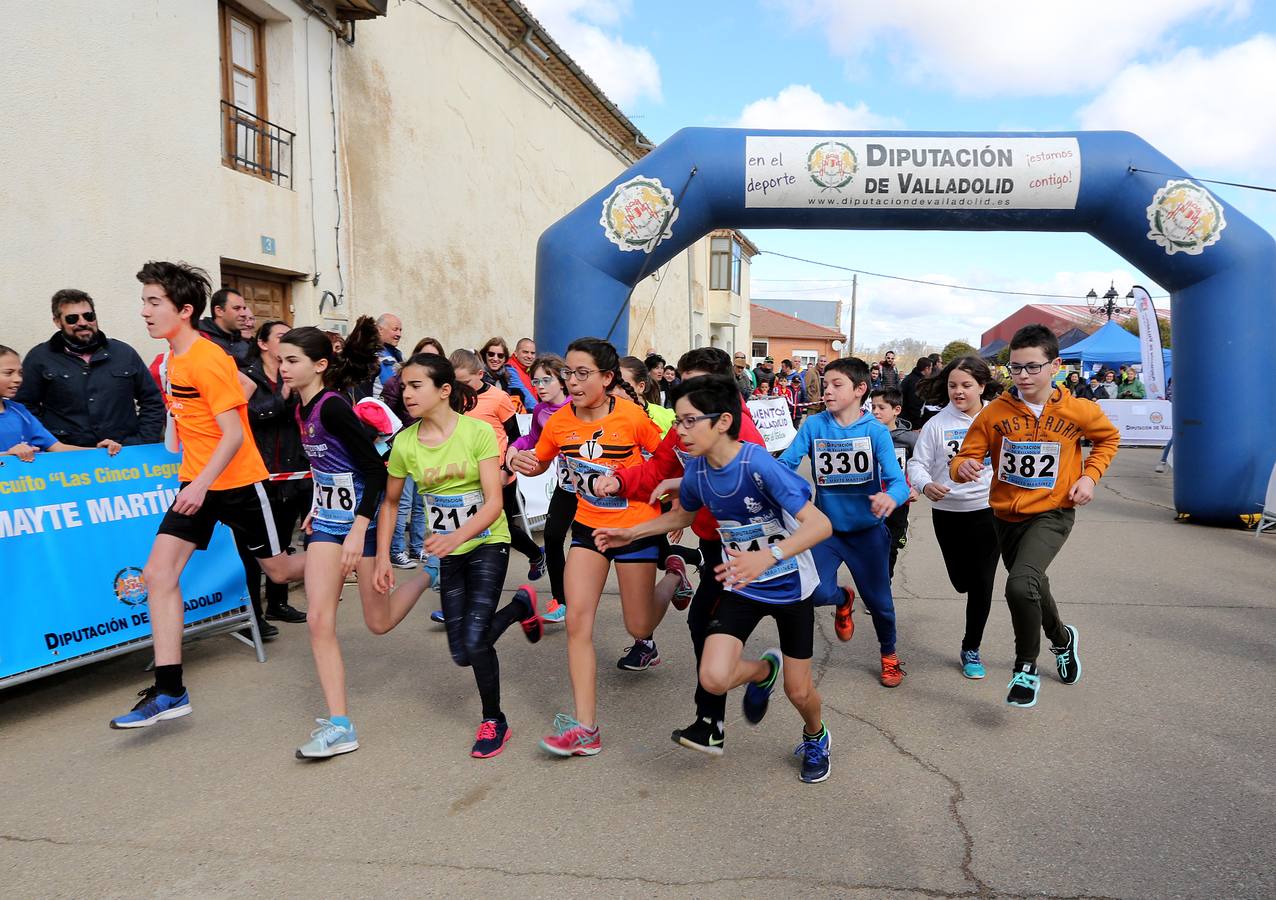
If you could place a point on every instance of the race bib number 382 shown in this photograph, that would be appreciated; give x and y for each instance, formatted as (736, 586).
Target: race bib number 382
(1031, 465)
(845, 461)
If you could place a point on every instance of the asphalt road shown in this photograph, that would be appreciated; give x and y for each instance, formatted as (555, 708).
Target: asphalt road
(1154, 777)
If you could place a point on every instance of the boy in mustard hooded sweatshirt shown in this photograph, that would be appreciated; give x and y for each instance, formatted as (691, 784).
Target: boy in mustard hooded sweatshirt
(1034, 441)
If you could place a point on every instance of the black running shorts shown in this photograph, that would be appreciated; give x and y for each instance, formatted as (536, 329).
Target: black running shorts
(738, 616)
(245, 510)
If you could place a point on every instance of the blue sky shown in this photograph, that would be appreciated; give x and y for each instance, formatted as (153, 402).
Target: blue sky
(1191, 76)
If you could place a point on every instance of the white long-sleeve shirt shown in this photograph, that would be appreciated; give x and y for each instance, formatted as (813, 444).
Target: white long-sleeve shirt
(938, 443)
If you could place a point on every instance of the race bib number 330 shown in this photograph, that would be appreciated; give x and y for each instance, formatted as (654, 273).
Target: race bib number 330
(847, 461)
(1029, 465)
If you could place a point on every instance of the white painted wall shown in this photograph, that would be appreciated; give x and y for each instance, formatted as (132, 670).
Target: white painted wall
(113, 157)
(450, 164)
(458, 161)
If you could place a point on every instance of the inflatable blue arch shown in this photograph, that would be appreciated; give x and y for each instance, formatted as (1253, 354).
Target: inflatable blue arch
(1219, 267)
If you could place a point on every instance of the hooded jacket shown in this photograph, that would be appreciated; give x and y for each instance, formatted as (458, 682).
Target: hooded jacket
(1008, 431)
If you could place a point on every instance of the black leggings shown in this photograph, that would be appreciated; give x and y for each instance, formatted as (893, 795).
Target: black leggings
(471, 585)
(562, 510)
(519, 538)
(699, 614)
(968, 542)
(289, 502)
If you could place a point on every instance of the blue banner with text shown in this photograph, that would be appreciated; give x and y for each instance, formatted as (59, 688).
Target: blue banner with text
(75, 531)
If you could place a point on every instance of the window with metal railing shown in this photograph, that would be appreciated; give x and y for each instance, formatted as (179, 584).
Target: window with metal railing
(254, 145)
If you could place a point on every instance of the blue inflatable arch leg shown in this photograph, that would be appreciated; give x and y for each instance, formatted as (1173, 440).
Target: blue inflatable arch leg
(1218, 266)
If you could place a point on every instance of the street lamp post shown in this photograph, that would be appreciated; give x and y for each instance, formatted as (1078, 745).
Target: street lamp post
(1108, 307)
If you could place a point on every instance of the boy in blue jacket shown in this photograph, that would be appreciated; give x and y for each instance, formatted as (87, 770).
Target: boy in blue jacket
(852, 459)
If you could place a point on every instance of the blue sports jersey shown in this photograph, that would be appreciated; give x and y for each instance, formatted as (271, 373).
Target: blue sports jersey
(849, 464)
(755, 500)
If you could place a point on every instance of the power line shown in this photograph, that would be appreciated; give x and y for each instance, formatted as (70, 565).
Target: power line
(1251, 187)
(952, 287)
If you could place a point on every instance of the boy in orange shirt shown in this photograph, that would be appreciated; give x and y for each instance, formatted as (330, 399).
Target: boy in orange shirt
(221, 476)
(1035, 443)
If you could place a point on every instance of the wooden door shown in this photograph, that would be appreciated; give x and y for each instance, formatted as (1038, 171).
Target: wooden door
(267, 298)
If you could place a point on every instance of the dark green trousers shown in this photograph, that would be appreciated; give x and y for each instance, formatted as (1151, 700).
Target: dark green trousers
(1027, 549)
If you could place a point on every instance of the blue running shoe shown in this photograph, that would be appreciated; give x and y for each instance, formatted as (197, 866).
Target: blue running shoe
(555, 613)
(757, 695)
(329, 739)
(971, 665)
(1024, 686)
(437, 617)
(815, 756)
(431, 567)
(154, 707)
(536, 568)
(1066, 658)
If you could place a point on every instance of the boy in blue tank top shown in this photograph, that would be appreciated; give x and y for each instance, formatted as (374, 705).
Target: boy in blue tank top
(768, 524)
(858, 483)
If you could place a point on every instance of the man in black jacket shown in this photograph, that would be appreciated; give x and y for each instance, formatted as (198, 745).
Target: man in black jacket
(87, 389)
(890, 374)
(912, 411)
(224, 327)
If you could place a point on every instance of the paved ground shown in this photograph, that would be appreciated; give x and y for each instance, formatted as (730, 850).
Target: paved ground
(1154, 777)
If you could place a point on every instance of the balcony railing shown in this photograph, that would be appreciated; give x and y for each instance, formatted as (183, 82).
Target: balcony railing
(254, 145)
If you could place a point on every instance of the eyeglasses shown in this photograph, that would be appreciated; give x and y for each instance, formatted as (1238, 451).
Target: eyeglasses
(580, 374)
(546, 381)
(686, 423)
(495, 354)
(1030, 368)
(72, 318)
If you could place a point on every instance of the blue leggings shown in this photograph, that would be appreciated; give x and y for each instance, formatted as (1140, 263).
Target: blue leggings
(867, 554)
(471, 585)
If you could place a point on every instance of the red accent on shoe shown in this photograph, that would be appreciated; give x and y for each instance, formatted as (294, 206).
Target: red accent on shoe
(843, 624)
(892, 671)
(532, 626)
(684, 592)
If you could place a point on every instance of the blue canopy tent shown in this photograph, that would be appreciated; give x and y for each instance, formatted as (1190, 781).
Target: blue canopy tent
(1111, 345)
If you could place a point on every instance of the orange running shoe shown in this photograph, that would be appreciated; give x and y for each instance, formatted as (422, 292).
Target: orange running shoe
(892, 671)
(842, 622)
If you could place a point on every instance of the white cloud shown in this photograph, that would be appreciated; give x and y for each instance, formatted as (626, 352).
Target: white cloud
(584, 28)
(1005, 49)
(1199, 109)
(799, 106)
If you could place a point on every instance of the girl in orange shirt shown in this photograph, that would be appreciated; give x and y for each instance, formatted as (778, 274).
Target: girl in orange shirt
(597, 433)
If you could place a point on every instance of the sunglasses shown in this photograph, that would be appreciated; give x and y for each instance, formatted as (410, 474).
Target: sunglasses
(72, 318)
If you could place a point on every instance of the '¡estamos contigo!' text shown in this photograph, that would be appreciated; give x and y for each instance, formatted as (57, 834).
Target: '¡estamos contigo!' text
(963, 173)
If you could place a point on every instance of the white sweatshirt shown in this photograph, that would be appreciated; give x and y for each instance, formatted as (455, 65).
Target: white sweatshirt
(938, 443)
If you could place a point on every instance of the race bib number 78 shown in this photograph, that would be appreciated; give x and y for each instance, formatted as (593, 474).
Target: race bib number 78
(1029, 465)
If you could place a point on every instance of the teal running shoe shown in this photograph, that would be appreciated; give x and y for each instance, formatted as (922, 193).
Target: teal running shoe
(815, 755)
(1024, 686)
(329, 739)
(555, 613)
(971, 665)
(757, 695)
